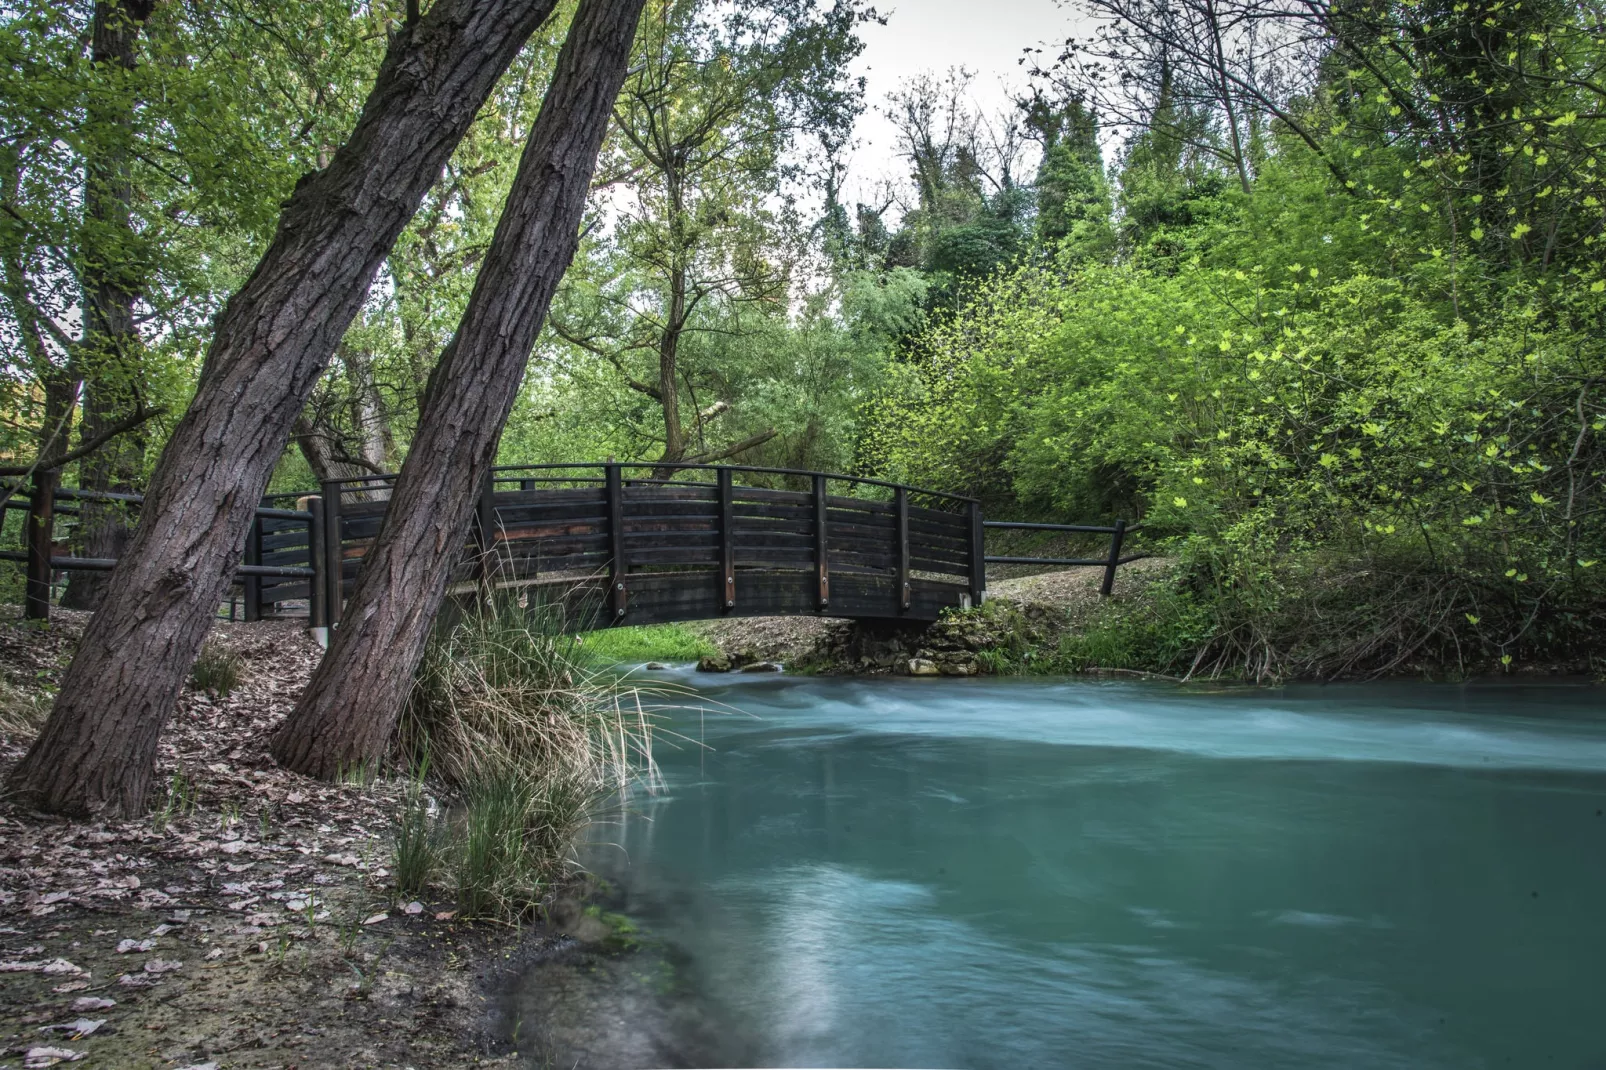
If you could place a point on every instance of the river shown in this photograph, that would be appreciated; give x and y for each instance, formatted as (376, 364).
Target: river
(1053, 873)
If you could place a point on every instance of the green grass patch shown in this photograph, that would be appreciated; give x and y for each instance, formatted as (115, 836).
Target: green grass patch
(652, 642)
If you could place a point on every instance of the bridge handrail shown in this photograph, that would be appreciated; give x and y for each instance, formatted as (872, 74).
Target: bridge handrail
(603, 466)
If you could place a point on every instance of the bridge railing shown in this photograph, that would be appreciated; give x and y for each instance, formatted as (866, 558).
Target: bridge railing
(279, 565)
(1111, 561)
(659, 542)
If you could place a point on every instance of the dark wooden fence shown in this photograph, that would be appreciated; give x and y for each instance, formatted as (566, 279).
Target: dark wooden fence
(629, 544)
(1111, 561)
(278, 563)
(633, 544)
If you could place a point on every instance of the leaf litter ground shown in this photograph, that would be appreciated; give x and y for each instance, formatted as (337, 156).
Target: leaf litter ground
(248, 921)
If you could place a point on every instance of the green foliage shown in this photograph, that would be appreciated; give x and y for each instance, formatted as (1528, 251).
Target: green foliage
(498, 867)
(655, 642)
(1306, 398)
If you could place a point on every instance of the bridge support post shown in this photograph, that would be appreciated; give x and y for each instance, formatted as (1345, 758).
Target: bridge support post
(1117, 536)
(318, 584)
(333, 558)
(727, 538)
(619, 596)
(485, 534)
(978, 556)
(251, 586)
(822, 564)
(905, 592)
(39, 535)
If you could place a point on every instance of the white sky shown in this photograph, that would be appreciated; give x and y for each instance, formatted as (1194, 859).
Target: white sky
(985, 36)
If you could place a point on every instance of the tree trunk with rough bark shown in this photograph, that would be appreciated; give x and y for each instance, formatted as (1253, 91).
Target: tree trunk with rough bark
(109, 355)
(345, 719)
(272, 341)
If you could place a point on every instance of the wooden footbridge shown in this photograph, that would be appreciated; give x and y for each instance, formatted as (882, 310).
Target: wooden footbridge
(642, 544)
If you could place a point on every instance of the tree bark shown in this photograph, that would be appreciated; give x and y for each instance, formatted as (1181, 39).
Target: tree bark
(272, 341)
(111, 279)
(345, 718)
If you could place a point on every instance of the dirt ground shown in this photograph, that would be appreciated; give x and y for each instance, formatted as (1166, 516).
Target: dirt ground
(249, 921)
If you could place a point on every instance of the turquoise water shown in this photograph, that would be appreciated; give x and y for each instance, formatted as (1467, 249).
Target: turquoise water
(954, 873)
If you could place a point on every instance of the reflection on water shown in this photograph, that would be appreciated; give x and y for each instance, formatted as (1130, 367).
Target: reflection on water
(1026, 873)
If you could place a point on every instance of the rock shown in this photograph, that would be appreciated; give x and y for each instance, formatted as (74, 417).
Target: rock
(922, 667)
(714, 663)
(656, 666)
(958, 668)
(762, 666)
(589, 929)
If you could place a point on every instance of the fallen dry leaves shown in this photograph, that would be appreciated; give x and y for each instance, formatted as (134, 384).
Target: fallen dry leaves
(216, 927)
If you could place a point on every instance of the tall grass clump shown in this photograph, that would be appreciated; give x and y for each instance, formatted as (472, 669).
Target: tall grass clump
(416, 852)
(529, 739)
(217, 669)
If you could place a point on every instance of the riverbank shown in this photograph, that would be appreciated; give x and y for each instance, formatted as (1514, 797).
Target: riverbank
(1021, 627)
(248, 921)
(1154, 624)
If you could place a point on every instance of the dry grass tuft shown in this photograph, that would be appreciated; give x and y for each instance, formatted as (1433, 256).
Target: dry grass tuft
(21, 714)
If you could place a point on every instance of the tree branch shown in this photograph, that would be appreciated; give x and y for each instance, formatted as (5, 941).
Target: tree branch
(83, 449)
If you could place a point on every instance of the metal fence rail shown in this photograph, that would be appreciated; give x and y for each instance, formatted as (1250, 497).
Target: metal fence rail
(1112, 560)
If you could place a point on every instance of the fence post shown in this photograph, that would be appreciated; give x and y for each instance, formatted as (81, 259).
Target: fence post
(978, 556)
(727, 536)
(822, 564)
(251, 586)
(333, 558)
(1117, 536)
(905, 593)
(616, 537)
(39, 532)
(317, 585)
(485, 532)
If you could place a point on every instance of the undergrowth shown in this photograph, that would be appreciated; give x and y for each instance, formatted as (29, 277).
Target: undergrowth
(1313, 617)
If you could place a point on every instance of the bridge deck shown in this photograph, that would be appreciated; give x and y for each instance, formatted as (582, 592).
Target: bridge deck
(631, 545)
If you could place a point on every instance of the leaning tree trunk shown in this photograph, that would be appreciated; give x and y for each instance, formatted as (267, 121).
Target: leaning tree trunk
(346, 716)
(272, 341)
(109, 355)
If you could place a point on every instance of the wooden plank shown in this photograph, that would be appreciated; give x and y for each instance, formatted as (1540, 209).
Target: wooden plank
(641, 541)
(251, 586)
(727, 541)
(792, 514)
(902, 551)
(38, 537)
(696, 595)
(557, 529)
(334, 558)
(616, 533)
(822, 555)
(765, 494)
(317, 599)
(485, 530)
(978, 556)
